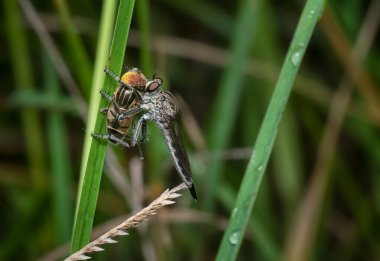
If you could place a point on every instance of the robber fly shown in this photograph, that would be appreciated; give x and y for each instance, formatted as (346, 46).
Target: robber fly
(135, 95)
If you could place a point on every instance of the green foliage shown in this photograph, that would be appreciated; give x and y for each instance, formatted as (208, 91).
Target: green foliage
(89, 189)
(316, 143)
(251, 182)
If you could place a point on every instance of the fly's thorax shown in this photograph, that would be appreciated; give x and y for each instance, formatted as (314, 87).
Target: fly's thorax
(160, 104)
(168, 104)
(149, 102)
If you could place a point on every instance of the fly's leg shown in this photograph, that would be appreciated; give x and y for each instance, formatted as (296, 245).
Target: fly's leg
(116, 78)
(112, 74)
(137, 130)
(129, 113)
(106, 95)
(140, 126)
(100, 136)
(119, 141)
(108, 98)
(144, 132)
(140, 151)
(111, 138)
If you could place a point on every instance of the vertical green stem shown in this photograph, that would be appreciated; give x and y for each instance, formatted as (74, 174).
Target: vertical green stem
(89, 189)
(252, 178)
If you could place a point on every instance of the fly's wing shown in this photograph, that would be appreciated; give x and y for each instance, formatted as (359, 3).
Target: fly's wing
(173, 138)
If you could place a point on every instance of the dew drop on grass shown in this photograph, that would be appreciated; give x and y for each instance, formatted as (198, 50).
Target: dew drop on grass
(234, 211)
(234, 237)
(296, 58)
(311, 13)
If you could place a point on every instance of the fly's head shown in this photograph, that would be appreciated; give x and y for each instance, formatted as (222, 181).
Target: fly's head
(135, 78)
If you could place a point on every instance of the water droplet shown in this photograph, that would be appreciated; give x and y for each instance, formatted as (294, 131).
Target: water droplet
(234, 211)
(234, 238)
(260, 168)
(296, 58)
(311, 13)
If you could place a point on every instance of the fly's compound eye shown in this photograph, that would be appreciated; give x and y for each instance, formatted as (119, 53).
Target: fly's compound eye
(153, 85)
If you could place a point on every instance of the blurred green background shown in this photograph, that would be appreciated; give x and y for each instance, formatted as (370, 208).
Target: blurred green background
(320, 198)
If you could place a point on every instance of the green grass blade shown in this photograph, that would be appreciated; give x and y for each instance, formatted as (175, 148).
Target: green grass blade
(79, 58)
(227, 100)
(102, 52)
(143, 18)
(287, 163)
(23, 73)
(207, 14)
(250, 184)
(88, 192)
(155, 147)
(60, 160)
(38, 100)
(264, 242)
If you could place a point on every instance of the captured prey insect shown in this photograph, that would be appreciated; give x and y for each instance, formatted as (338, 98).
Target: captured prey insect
(124, 105)
(138, 97)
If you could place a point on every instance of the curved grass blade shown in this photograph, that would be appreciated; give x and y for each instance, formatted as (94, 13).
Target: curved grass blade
(250, 184)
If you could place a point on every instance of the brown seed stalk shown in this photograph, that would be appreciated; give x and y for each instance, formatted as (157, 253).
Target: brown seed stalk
(166, 198)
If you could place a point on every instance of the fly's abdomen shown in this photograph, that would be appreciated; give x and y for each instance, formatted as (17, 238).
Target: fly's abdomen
(173, 139)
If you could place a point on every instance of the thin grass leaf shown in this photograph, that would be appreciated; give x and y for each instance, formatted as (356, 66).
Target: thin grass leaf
(301, 238)
(154, 146)
(287, 163)
(89, 189)
(60, 160)
(80, 60)
(143, 18)
(104, 42)
(23, 75)
(227, 100)
(37, 100)
(32, 130)
(250, 184)
(207, 14)
(264, 241)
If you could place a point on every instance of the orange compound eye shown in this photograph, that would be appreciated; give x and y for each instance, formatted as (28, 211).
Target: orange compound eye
(135, 79)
